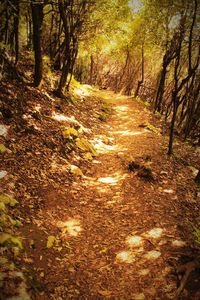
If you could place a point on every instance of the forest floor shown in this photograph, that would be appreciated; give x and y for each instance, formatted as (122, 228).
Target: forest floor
(120, 225)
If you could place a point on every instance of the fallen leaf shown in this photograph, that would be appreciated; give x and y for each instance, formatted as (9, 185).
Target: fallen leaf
(4, 149)
(70, 131)
(105, 293)
(76, 170)
(50, 241)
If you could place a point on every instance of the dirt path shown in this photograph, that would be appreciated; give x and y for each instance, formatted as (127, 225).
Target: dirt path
(116, 233)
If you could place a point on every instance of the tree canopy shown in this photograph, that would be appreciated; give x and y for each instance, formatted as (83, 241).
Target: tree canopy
(144, 48)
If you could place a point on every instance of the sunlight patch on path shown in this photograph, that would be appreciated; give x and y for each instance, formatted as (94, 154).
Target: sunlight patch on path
(136, 247)
(178, 243)
(134, 241)
(3, 130)
(101, 147)
(152, 255)
(83, 90)
(71, 226)
(108, 180)
(117, 177)
(3, 174)
(154, 233)
(122, 108)
(129, 132)
(125, 256)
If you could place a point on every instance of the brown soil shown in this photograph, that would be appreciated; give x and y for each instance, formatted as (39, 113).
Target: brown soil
(120, 232)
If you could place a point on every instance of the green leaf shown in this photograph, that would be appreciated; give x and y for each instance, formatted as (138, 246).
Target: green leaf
(8, 200)
(6, 238)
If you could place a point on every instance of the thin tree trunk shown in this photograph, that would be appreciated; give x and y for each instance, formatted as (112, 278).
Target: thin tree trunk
(197, 179)
(51, 38)
(161, 89)
(16, 31)
(172, 125)
(37, 17)
(140, 82)
(91, 69)
(67, 60)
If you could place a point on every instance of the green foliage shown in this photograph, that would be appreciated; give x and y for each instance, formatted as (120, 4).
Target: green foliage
(8, 200)
(196, 233)
(8, 239)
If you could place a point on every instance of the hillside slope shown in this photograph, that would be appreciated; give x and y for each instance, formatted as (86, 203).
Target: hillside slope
(104, 213)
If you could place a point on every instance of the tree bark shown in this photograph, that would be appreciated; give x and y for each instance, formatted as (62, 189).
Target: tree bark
(91, 69)
(67, 59)
(37, 18)
(140, 82)
(197, 179)
(16, 31)
(172, 125)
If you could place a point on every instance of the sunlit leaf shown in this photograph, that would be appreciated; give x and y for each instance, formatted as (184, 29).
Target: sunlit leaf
(70, 131)
(50, 241)
(2, 206)
(88, 155)
(84, 145)
(105, 293)
(4, 149)
(76, 170)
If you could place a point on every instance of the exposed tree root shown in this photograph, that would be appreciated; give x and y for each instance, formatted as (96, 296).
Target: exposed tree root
(186, 269)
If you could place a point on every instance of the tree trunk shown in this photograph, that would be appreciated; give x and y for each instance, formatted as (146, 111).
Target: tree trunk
(16, 30)
(172, 125)
(197, 179)
(63, 78)
(67, 59)
(140, 82)
(37, 17)
(91, 69)
(161, 89)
